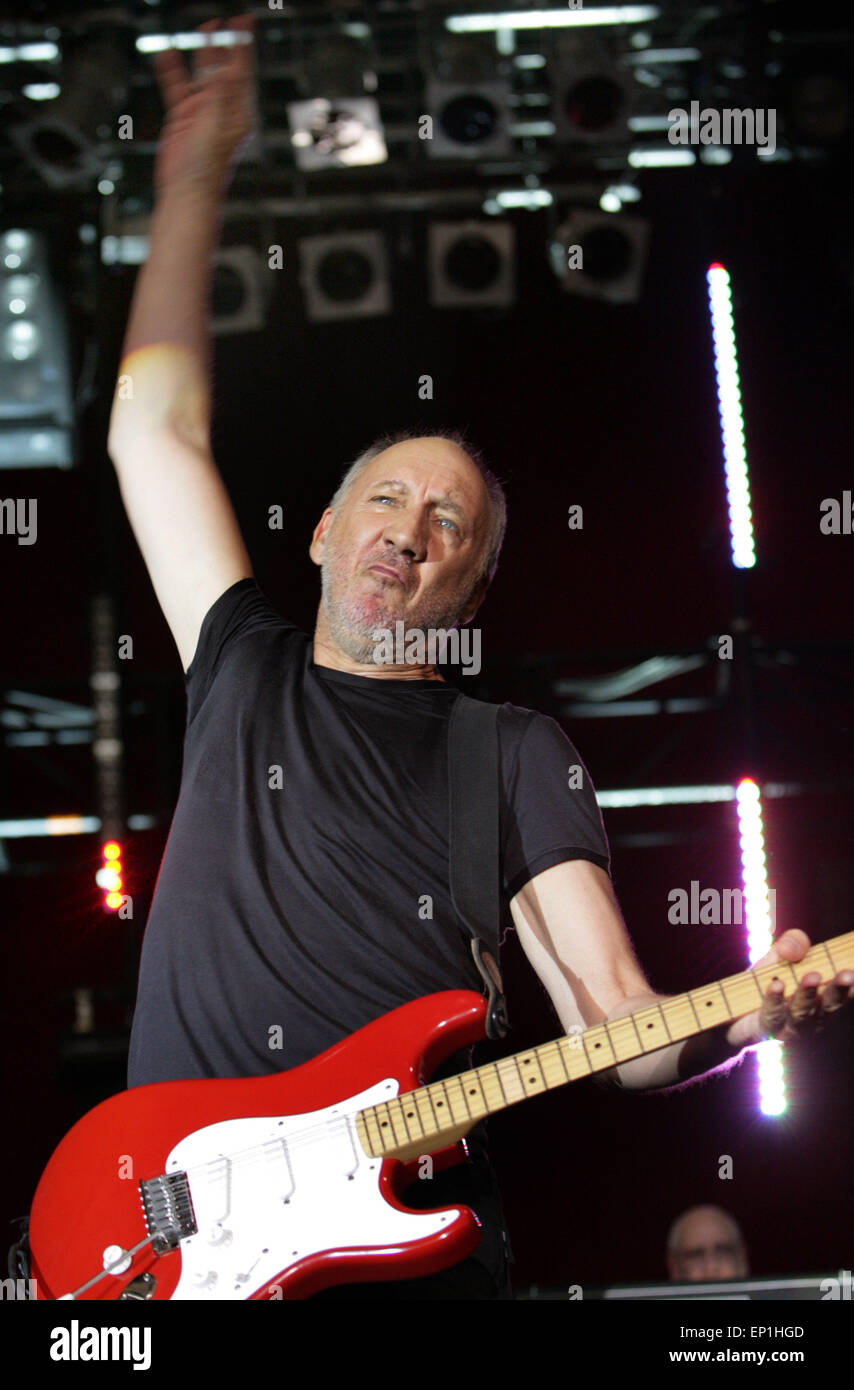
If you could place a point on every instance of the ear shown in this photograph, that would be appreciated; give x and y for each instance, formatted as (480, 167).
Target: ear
(315, 550)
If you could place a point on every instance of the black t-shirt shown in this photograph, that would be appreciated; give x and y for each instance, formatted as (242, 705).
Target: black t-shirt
(304, 892)
(304, 888)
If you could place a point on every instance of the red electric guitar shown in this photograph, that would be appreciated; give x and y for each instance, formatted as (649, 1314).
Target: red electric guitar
(279, 1186)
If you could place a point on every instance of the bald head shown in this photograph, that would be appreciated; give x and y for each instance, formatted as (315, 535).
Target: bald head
(706, 1242)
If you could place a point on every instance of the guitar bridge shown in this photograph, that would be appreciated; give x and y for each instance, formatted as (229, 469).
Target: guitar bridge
(168, 1210)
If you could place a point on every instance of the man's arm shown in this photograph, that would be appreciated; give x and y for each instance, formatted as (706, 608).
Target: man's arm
(571, 929)
(159, 438)
(572, 932)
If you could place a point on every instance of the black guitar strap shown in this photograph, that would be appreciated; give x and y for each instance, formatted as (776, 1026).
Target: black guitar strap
(474, 839)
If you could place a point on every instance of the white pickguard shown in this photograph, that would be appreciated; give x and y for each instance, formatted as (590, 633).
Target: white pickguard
(269, 1191)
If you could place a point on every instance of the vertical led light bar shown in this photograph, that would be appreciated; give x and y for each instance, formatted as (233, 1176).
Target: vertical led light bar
(732, 423)
(760, 932)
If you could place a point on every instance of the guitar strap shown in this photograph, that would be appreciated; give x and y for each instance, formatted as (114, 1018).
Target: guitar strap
(474, 840)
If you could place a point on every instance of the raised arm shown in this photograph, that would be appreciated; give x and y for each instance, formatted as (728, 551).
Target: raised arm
(159, 438)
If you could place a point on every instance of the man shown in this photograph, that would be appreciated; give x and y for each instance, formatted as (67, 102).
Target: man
(706, 1242)
(312, 817)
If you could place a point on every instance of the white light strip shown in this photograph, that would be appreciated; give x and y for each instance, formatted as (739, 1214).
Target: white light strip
(643, 124)
(64, 825)
(664, 55)
(665, 796)
(48, 825)
(551, 19)
(524, 198)
(41, 91)
(760, 933)
(29, 53)
(661, 159)
(220, 38)
(732, 424)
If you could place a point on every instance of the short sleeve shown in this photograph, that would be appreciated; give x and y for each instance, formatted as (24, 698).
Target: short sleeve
(240, 610)
(551, 812)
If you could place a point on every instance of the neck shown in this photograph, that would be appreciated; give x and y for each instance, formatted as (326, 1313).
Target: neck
(328, 653)
(411, 1124)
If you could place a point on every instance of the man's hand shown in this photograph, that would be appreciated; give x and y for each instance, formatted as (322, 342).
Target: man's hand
(208, 117)
(805, 1011)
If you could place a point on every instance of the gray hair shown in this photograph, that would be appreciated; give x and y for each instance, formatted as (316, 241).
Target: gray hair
(495, 492)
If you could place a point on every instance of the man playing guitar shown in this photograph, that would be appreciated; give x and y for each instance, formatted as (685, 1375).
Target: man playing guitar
(311, 825)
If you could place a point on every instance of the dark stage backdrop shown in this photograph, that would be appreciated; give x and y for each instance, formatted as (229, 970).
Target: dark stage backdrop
(573, 402)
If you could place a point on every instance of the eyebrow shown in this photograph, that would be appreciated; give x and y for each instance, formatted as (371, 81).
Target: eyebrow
(446, 503)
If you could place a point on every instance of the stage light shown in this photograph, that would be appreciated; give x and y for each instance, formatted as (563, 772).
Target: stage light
(21, 341)
(109, 876)
(239, 284)
(41, 91)
(16, 247)
(732, 424)
(471, 264)
(593, 96)
(343, 133)
(661, 159)
(470, 119)
(344, 275)
(760, 931)
(600, 256)
(551, 19)
(36, 413)
(20, 292)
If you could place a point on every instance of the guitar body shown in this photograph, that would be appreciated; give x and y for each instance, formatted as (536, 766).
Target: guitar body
(259, 1187)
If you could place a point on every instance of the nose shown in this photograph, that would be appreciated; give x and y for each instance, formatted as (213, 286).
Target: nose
(407, 533)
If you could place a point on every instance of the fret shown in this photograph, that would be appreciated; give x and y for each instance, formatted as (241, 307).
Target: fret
(372, 1130)
(549, 1053)
(460, 1099)
(411, 1117)
(707, 1004)
(491, 1084)
(681, 1017)
(398, 1138)
(649, 1023)
(508, 1070)
(752, 976)
(558, 1046)
(825, 947)
(428, 1092)
(385, 1126)
(623, 1034)
(528, 1075)
(442, 1105)
(597, 1040)
(500, 1083)
(425, 1111)
(477, 1102)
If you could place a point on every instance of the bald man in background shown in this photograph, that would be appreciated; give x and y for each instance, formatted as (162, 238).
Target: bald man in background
(706, 1243)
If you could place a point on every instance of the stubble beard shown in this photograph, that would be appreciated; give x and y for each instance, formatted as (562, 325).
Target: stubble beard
(353, 618)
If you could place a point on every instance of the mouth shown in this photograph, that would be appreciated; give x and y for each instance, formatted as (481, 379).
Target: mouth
(388, 573)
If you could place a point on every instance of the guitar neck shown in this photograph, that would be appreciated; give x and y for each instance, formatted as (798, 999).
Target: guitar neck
(434, 1116)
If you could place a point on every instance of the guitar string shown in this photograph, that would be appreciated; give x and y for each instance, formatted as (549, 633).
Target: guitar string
(254, 1154)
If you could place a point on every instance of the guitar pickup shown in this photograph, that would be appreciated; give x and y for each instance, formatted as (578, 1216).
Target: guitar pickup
(168, 1210)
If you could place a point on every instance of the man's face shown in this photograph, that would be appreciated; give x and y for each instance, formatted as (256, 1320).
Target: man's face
(709, 1248)
(405, 545)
